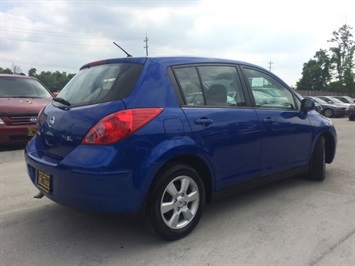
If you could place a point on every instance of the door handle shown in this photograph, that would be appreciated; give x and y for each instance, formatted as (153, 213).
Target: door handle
(203, 121)
(268, 120)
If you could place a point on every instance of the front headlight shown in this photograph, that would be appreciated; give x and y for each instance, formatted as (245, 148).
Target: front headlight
(2, 122)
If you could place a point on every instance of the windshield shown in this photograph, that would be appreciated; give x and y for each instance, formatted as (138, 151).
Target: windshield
(335, 100)
(101, 83)
(13, 87)
(345, 99)
(320, 101)
(349, 99)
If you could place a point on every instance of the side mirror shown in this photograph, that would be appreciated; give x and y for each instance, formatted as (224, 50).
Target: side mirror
(307, 105)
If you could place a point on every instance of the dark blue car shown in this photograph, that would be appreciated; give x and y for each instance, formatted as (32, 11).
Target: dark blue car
(129, 135)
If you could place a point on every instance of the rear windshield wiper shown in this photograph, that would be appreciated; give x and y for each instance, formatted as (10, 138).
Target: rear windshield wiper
(61, 100)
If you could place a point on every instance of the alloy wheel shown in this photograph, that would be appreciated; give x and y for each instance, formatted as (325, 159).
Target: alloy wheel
(180, 202)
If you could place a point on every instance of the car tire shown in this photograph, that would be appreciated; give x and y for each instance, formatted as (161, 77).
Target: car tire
(175, 202)
(351, 117)
(316, 170)
(328, 113)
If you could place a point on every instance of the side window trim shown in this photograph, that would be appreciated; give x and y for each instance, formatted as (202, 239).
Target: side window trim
(176, 86)
(245, 86)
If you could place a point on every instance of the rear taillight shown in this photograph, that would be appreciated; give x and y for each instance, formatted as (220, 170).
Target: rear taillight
(117, 126)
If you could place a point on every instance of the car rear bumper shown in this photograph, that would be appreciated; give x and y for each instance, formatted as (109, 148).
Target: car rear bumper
(87, 189)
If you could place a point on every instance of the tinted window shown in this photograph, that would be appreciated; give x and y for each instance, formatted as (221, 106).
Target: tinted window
(22, 88)
(101, 83)
(220, 85)
(268, 92)
(189, 83)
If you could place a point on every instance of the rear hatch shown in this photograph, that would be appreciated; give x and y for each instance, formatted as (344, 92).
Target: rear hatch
(95, 92)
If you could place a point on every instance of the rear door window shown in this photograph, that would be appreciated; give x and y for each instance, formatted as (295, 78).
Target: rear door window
(210, 85)
(101, 83)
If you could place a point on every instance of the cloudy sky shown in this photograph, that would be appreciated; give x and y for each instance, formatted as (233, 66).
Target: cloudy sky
(62, 35)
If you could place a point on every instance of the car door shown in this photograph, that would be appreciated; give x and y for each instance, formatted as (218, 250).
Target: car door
(225, 129)
(286, 136)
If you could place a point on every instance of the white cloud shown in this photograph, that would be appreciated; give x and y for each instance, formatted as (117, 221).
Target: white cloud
(63, 35)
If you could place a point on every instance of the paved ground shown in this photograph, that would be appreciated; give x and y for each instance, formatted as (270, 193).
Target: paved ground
(292, 222)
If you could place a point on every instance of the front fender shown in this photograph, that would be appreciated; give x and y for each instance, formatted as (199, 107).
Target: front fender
(324, 127)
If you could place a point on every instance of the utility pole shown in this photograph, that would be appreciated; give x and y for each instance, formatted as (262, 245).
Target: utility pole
(270, 63)
(146, 44)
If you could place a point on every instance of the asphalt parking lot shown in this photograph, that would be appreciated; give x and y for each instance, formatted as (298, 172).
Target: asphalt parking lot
(291, 222)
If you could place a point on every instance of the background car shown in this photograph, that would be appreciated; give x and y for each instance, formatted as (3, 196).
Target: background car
(345, 99)
(273, 92)
(21, 99)
(351, 112)
(318, 107)
(197, 99)
(329, 110)
(333, 100)
(262, 98)
(127, 136)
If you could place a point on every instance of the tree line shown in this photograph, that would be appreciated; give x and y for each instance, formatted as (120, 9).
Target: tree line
(54, 81)
(332, 69)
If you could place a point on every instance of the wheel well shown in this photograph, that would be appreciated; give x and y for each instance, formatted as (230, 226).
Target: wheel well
(199, 165)
(329, 147)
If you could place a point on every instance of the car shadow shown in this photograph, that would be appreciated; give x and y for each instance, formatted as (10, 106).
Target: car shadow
(53, 224)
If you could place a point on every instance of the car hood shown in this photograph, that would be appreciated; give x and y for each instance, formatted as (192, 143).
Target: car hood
(22, 105)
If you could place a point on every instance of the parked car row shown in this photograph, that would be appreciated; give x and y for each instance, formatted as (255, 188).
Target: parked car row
(334, 106)
(345, 99)
(351, 109)
(21, 99)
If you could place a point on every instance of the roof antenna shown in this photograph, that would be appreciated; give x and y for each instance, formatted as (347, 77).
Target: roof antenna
(128, 55)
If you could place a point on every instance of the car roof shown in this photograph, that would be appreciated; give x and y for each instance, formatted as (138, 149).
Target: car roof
(169, 61)
(15, 76)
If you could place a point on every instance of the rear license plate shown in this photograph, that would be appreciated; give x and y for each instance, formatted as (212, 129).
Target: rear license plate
(31, 131)
(44, 181)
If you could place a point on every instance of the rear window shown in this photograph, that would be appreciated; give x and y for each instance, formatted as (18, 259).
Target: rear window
(102, 83)
(14, 87)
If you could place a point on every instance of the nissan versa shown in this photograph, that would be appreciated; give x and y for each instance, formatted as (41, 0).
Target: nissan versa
(128, 135)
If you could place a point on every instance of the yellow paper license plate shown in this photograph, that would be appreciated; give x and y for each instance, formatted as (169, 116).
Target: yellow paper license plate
(31, 131)
(44, 181)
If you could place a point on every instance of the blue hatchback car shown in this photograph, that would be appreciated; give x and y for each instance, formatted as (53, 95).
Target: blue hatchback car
(129, 135)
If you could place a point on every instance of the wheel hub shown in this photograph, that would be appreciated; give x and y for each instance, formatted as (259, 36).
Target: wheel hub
(179, 203)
